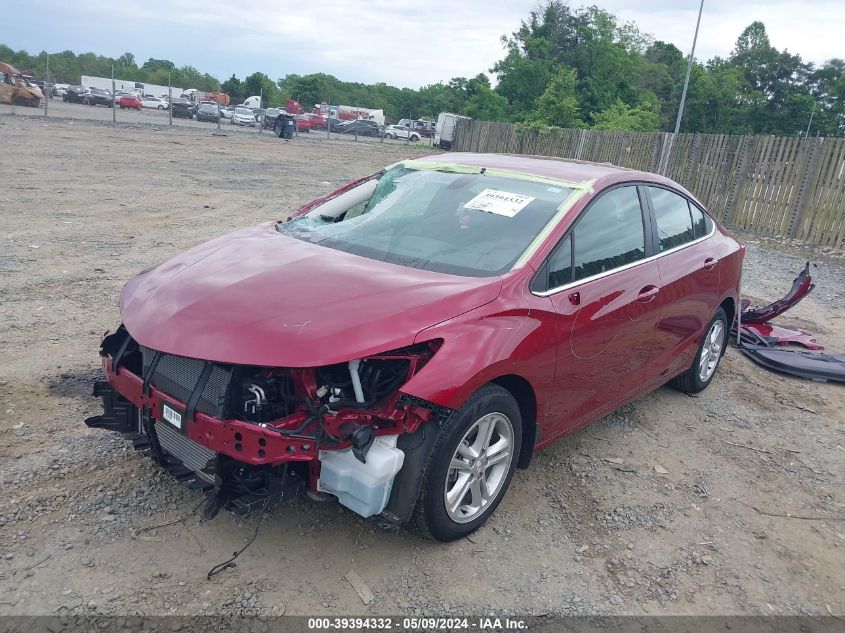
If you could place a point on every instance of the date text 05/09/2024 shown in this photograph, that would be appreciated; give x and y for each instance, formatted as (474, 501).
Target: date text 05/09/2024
(417, 624)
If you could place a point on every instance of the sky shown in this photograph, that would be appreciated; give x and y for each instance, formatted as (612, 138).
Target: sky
(401, 42)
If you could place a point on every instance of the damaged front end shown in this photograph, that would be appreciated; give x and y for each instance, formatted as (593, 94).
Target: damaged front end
(243, 433)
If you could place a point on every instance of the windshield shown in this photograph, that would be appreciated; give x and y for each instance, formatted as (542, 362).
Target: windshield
(243, 111)
(474, 225)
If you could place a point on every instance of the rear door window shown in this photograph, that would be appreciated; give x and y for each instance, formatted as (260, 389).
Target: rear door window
(672, 214)
(610, 234)
(701, 223)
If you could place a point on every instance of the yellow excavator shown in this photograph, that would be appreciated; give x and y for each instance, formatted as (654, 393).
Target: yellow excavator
(15, 89)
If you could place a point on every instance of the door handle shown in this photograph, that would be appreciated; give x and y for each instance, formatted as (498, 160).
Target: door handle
(648, 293)
(710, 263)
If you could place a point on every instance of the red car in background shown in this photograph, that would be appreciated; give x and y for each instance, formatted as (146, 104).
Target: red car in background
(303, 123)
(408, 341)
(317, 122)
(129, 101)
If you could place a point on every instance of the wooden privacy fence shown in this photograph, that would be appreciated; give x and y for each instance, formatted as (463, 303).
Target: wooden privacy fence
(778, 186)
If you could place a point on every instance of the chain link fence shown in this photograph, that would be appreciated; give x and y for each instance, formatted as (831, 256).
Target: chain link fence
(122, 102)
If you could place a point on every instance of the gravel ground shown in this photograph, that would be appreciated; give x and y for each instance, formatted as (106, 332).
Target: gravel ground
(747, 518)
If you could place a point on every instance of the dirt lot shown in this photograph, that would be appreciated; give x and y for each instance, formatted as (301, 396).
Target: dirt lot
(748, 520)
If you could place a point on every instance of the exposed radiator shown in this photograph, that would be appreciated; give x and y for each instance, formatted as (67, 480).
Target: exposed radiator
(198, 458)
(178, 375)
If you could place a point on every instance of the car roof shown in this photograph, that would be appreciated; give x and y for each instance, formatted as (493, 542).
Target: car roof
(551, 167)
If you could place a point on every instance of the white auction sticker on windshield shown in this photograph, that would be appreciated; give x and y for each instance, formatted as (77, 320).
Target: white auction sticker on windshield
(499, 202)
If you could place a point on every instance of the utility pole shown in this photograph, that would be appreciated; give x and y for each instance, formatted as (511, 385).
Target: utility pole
(809, 123)
(689, 69)
(113, 104)
(169, 99)
(665, 163)
(48, 88)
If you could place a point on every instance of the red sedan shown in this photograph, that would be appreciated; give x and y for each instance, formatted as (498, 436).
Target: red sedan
(408, 341)
(129, 101)
(303, 123)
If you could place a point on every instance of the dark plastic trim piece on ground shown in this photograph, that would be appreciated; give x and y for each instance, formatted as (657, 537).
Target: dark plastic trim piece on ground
(812, 365)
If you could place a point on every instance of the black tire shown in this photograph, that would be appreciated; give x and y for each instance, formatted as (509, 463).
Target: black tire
(690, 381)
(431, 518)
(414, 138)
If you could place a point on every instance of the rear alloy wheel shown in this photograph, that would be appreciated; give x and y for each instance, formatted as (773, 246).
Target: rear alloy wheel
(471, 466)
(710, 352)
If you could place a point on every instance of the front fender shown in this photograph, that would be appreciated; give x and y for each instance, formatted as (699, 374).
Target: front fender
(477, 349)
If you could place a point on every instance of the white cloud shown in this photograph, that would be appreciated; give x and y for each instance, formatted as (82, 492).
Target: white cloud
(401, 42)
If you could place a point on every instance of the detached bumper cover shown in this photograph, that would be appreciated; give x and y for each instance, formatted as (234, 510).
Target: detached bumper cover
(802, 285)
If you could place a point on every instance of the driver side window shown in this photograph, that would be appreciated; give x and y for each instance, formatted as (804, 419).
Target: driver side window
(609, 234)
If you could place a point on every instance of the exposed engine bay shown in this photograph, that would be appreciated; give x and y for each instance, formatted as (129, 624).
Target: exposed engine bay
(244, 433)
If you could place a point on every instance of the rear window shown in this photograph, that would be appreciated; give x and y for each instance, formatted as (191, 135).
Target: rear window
(701, 222)
(672, 214)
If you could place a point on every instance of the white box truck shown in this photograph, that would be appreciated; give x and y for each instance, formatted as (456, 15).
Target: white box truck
(444, 129)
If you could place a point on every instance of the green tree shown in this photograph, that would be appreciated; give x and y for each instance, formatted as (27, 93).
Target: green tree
(486, 105)
(620, 116)
(558, 105)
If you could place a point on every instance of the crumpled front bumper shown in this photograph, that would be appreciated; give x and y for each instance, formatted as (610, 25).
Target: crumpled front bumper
(241, 440)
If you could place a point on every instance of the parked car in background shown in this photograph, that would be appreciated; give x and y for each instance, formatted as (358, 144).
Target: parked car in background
(359, 127)
(98, 97)
(396, 131)
(268, 120)
(243, 116)
(60, 89)
(15, 89)
(333, 123)
(422, 127)
(207, 112)
(303, 123)
(182, 109)
(225, 112)
(149, 101)
(317, 122)
(509, 301)
(129, 102)
(75, 94)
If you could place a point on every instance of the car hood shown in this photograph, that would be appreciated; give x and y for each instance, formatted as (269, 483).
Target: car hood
(257, 297)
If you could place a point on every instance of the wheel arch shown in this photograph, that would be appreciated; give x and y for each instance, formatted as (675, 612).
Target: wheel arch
(526, 399)
(729, 306)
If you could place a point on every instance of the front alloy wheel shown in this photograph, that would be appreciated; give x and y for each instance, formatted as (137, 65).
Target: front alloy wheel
(479, 467)
(471, 465)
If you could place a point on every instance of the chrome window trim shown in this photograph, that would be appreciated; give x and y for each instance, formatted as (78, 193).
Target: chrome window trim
(557, 289)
